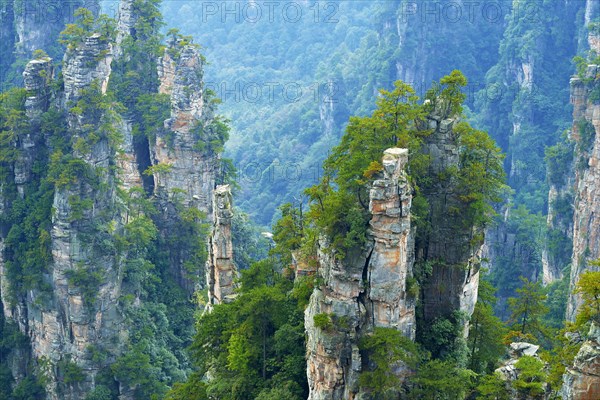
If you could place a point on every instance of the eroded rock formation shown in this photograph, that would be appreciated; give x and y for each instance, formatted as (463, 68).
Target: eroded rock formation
(450, 247)
(586, 231)
(365, 290)
(582, 380)
(79, 306)
(220, 269)
(26, 26)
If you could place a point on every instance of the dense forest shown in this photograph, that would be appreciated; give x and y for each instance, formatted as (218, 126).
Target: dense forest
(300, 200)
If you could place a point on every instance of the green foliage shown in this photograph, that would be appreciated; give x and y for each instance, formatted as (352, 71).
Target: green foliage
(557, 295)
(588, 287)
(528, 229)
(11, 340)
(249, 245)
(443, 339)
(587, 134)
(558, 160)
(253, 346)
(287, 233)
(481, 176)
(323, 321)
(211, 137)
(85, 26)
(492, 387)
(157, 169)
(527, 309)
(151, 111)
(387, 350)
(192, 389)
(71, 372)
(100, 392)
(27, 219)
(485, 332)
(339, 206)
(438, 379)
(87, 280)
(531, 377)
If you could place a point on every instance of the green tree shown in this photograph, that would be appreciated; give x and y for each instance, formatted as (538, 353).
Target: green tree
(531, 377)
(387, 350)
(441, 380)
(86, 25)
(254, 345)
(485, 332)
(492, 387)
(527, 309)
(287, 233)
(588, 286)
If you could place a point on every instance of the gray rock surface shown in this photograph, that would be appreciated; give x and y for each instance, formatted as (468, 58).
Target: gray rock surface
(581, 381)
(220, 267)
(365, 290)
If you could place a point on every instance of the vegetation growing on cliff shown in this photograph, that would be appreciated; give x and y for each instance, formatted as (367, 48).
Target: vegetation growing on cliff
(339, 203)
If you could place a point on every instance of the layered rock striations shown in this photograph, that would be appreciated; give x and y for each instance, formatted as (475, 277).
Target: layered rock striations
(367, 289)
(220, 268)
(30, 25)
(451, 247)
(186, 170)
(78, 306)
(586, 232)
(189, 168)
(581, 381)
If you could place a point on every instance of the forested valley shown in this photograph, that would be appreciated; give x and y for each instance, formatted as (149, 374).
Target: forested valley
(318, 200)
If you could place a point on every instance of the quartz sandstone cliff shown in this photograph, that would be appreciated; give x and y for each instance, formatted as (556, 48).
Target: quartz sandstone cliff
(365, 290)
(220, 267)
(586, 232)
(450, 246)
(582, 380)
(26, 26)
(65, 322)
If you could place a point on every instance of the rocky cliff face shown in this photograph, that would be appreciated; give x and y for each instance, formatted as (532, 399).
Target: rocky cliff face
(31, 25)
(220, 268)
(189, 168)
(62, 329)
(365, 290)
(586, 233)
(509, 372)
(582, 380)
(189, 171)
(450, 247)
(80, 307)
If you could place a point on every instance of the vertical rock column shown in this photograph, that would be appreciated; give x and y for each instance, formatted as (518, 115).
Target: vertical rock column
(454, 280)
(390, 264)
(73, 320)
(189, 169)
(586, 228)
(220, 268)
(185, 173)
(366, 289)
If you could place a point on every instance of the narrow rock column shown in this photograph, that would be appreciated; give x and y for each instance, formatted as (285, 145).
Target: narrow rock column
(221, 270)
(391, 261)
(364, 290)
(586, 227)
